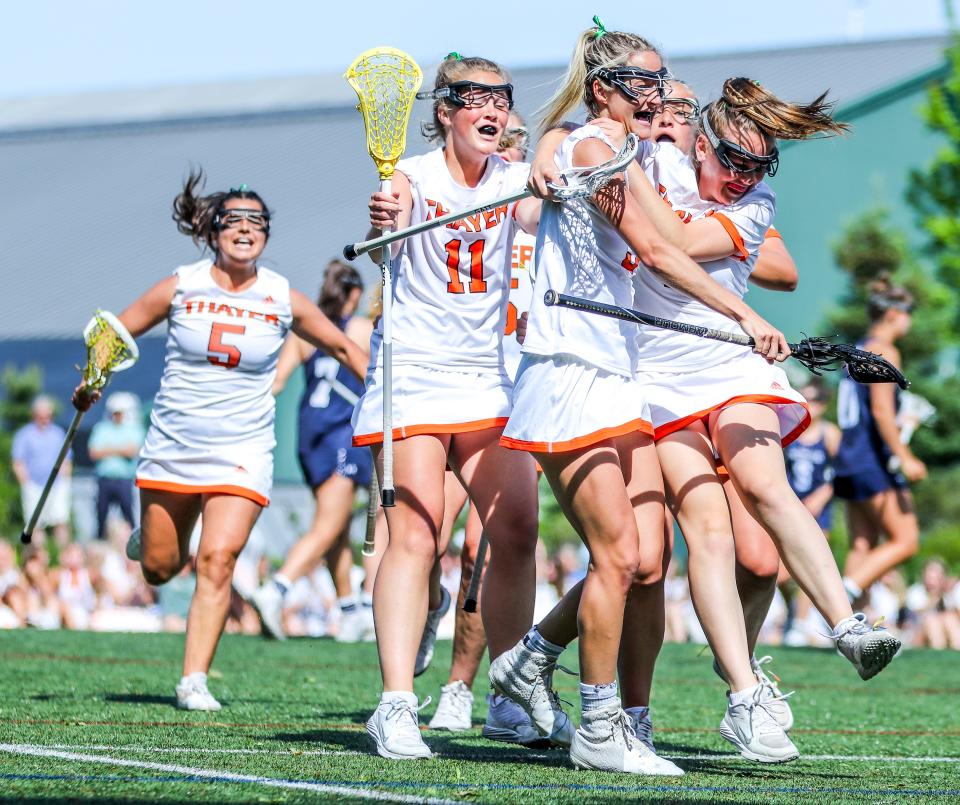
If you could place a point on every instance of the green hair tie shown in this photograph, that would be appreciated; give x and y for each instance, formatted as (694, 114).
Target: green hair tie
(601, 28)
(242, 189)
(453, 55)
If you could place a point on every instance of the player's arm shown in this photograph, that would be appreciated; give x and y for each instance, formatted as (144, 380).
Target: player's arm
(359, 329)
(292, 354)
(146, 312)
(528, 214)
(543, 168)
(311, 325)
(669, 262)
(883, 407)
(390, 211)
(775, 269)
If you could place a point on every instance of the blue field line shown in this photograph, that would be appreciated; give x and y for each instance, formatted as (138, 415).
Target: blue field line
(663, 789)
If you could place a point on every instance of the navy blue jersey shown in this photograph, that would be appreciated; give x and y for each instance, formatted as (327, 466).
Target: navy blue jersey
(322, 407)
(809, 466)
(861, 446)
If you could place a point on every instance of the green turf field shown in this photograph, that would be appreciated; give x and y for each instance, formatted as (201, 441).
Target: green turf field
(89, 718)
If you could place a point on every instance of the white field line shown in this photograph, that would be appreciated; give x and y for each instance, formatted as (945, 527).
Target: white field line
(526, 755)
(224, 776)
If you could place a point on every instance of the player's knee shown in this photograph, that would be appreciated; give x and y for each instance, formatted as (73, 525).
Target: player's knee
(758, 565)
(158, 571)
(216, 567)
(713, 538)
(618, 564)
(649, 568)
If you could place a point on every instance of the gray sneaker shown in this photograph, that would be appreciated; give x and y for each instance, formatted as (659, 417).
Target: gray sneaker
(605, 741)
(429, 637)
(526, 677)
(268, 602)
(508, 723)
(774, 700)
(755, 732)
(642, 728)
(869, 648)
(133, 546)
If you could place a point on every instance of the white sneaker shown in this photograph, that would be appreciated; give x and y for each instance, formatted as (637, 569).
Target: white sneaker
(508, 723)
(369, 634)
(795, 637)
(605, 741)
(755, 732)
(642, 727)
(133, 546)
(352, 627)
(869, 648)
(454, 709)
(268, 602)
(526, 677)
(429, 638)
(395, 729)
(774, 700)
(192, 694)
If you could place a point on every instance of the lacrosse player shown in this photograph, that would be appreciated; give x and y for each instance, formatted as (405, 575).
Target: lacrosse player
(332, 467)
(874, 464)
(451, 394)
(209, 449)
(578, 409)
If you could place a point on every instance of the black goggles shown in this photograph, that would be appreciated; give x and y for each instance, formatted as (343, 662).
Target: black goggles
(686, 110)
(737, 159)
(471, 95)
(232, 218)
(634, 82)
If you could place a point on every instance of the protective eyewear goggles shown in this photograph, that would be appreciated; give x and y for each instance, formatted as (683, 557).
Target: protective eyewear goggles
(634, 82)
(737, 159)
(471, 95)
(685, 110)
(517, 137)
(232, 218)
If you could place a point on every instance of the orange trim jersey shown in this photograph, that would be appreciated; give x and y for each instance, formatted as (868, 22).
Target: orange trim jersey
(523, 271)
(452, 284)
(579, 252)
(746, 221)
(212, 423)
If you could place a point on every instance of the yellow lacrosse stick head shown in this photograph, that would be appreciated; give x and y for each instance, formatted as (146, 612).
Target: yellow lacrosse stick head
(386, 81)
(110, 348)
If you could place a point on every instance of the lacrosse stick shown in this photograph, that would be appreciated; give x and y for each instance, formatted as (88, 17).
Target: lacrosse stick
(817, 354)
(581, 182)
(386, 81)
(110, 348)
(369, 540)
(473, 591)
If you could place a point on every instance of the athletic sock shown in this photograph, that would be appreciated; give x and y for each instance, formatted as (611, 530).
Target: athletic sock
(197, 677)
(404, 695)
(853, 589)
(743, 696)
(282, 583)
(593, 697)
(366, 600)
(637, 712)
(535, 641)
(347, 604)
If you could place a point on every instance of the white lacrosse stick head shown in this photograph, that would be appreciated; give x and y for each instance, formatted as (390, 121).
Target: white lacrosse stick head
(110, 348)
(583, 182)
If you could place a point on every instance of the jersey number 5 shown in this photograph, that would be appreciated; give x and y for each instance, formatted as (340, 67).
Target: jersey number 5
(226, 355)
(477, 283)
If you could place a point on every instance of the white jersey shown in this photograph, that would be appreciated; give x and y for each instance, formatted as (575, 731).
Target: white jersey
(579, 252)
(523, 273)
(451, 284)
(215, 405)
(746, 221)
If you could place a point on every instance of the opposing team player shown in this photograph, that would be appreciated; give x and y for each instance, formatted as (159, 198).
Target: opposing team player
(873, 465)
(578, 409)
(331, 465)
(451, 394)
(209, 450)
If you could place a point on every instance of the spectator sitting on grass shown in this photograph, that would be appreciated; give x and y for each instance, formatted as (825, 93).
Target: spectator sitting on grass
(934, 602)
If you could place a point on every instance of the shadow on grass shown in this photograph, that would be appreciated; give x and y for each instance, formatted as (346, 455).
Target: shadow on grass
(139, 698)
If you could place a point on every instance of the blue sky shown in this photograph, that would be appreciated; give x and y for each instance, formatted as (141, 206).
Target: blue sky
(64, 46)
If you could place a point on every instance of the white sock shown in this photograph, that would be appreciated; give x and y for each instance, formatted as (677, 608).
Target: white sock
(347, 604)
(403, 695)
(197, 677)
(282, 583)
(637, 712)
(853, 589)
(593, 697)
(743, 696)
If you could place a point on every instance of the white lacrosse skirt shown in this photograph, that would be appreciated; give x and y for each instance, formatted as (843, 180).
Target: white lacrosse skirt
(561, 404)
(427, 400)
(678, 399)
(244, 468)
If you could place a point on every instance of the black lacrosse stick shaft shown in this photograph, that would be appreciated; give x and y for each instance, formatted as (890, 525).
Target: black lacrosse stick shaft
(817, 354)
